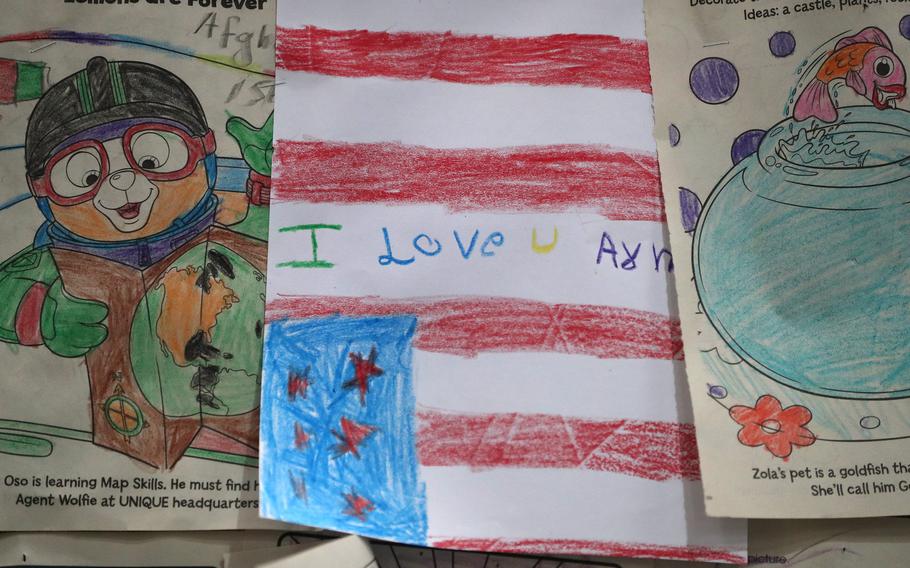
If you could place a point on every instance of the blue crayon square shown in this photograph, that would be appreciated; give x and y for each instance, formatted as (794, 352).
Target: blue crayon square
(337, 437)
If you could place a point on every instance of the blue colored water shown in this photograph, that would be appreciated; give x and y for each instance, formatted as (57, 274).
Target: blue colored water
(802, 255)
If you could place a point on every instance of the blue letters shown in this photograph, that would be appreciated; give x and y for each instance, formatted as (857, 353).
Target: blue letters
(428, 246)
(389, 258)
(428, 252)
(466, 254)
(627, 259)
(496, 239)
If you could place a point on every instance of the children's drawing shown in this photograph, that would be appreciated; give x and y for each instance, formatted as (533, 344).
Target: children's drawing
(468, 342)
(794, 313)
(816, 303)
(131, 269)
(143, 267)
(135, 163)
(805, 178)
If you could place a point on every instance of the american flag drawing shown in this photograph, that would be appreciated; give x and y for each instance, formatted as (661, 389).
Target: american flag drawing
(469, 343)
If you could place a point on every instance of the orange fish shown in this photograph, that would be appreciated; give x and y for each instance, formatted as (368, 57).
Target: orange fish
(867, 64)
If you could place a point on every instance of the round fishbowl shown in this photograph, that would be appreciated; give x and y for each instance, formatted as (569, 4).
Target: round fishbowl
(802, 255)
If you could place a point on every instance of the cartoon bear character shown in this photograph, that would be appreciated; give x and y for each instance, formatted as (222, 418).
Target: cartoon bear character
(135, 269)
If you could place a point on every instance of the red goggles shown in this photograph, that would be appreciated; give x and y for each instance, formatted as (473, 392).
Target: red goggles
(160, 152)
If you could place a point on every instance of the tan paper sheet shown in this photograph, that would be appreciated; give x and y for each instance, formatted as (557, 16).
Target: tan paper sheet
(130, 325)
(346, 552)
(822, 543)
(782, 136)
(829, 543)
(184, 548)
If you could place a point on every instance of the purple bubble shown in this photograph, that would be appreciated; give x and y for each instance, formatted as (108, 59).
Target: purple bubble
(745, 145)
(717, 391)
(714, 80)
(782, 44)
(690, 208)
(674, 135)
(905, 27)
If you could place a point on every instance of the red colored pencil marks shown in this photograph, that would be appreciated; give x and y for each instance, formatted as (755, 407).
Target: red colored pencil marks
(298, 384)
(8, 75)
(584, 60)
(589, 547)
(358, 506)
(28, 316)
(620, 185)
(650, 450)
(301, 438)
(364, 370)
(352, 435)
(472, 325)
(208, 439)
(298, 482)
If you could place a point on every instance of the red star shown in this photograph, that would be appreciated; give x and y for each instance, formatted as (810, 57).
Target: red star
(364, 370)
(299, 486)
(301, 438)
(352, 435)
(298, 385)
(358, 506)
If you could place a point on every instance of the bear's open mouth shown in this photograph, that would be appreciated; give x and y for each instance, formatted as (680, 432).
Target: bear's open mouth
(130, 210)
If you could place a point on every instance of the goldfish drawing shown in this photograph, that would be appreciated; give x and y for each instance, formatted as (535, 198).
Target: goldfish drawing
(867, 65)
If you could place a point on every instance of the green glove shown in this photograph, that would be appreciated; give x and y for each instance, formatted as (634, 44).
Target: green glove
(71, 326)
(255, 143)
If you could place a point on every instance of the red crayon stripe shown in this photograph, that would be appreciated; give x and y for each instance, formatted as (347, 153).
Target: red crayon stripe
(585, 60)
(620, 185)
(472, 325)
(647, 449)
(589, 548)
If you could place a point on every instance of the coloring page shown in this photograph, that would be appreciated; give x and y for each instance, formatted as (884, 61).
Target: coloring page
(782, 133)
(135, 155)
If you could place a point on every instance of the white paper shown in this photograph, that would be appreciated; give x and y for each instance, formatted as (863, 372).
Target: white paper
(469, 341)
